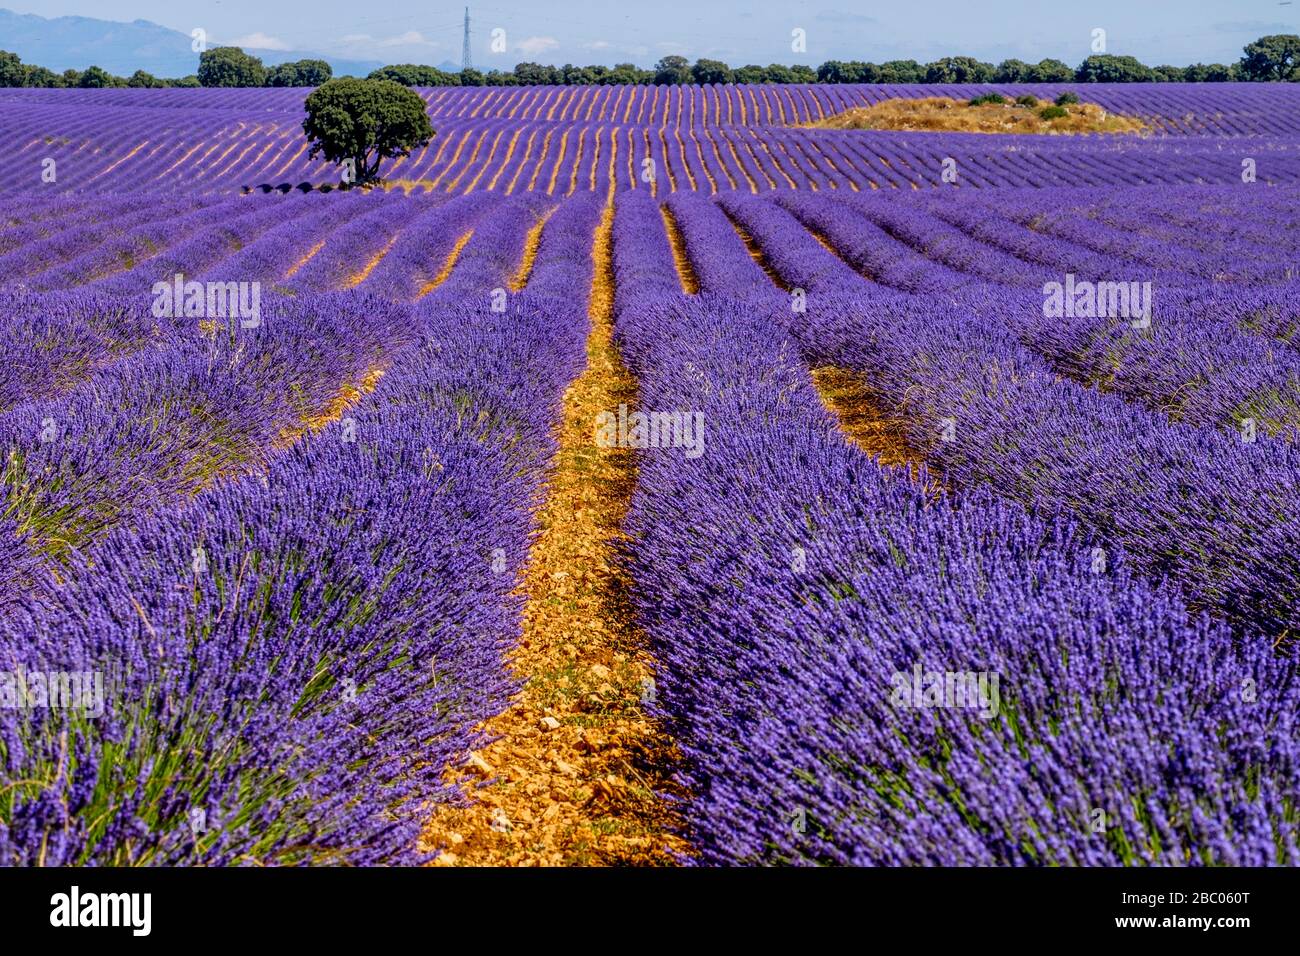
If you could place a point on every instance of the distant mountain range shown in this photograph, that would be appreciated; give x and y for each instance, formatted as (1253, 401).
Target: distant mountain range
(63, 43)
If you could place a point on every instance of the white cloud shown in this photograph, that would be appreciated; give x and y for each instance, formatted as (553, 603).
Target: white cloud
(409, 38)
(533, 46)
(616, 49)
(364, 45)
(260, 41)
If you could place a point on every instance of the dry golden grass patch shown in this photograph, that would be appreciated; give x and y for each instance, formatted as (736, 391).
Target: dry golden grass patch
(685, 271)
(576, 770)
(344, 399)
(407, 186)
(359, 277)
(305, 259)
(756, 253)
(944, 114)
(445, 272)
(849, 397)
(532, 243)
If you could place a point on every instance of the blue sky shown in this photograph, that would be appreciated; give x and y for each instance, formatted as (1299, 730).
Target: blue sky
(757, 31)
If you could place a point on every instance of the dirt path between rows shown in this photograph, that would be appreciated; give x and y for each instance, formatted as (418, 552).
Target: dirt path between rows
(849, 398)
(578, 773)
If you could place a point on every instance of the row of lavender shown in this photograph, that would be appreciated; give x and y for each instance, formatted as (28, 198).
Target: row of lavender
(299, 629)
(1202, 360)
(684, 352)
(1223, 109)
(387, 244)
(1156, 461)
(1200, 342)
(1216, 374)
(95, 149)
(1239, 246)
(810, 618)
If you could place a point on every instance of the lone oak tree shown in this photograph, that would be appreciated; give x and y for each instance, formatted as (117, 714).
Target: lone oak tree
(365, 121)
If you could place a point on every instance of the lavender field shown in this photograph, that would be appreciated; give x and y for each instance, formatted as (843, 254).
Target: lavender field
(642, 476)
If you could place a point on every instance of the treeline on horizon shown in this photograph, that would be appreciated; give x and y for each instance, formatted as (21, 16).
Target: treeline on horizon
(1269, 59)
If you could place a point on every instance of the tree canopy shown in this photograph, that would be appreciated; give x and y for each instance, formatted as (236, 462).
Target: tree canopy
(299, 73)
(230, 66)
(365, 121)
(95, 78)
(711, 71)
(672, 71)
(1107, 68)
(142, 79)
(1275, 57)
(959, 69)
(412, 74)
(12, 72)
